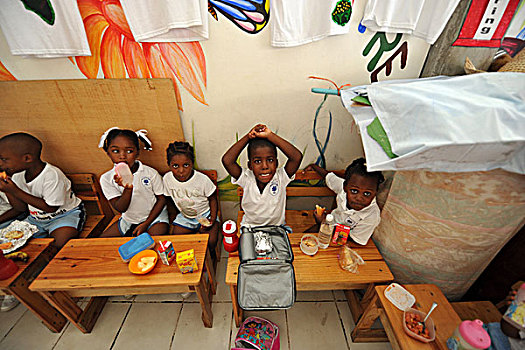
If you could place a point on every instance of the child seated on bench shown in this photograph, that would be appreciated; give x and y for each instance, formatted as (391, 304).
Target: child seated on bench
(193, 194)
(356, 203)
(142, 204)
(53, 207)
(264, 185)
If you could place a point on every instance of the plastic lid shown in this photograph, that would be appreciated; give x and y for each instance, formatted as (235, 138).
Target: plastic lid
(229, 226)
(474, 334)
(329, 217)
(136, 245)
(399, 296)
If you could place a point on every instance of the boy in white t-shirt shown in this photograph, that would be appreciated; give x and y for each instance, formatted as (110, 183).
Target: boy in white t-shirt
(42, 187)
(264, 185)
(8, 214)
(356, 202)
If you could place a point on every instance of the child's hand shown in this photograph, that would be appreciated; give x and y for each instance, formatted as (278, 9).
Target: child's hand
(309, 167)
(140, 229)
(119, 182)
(319, 218)
(259, 130)
(7, 185)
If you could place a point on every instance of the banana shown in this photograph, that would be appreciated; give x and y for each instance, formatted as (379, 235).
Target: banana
(21, 256)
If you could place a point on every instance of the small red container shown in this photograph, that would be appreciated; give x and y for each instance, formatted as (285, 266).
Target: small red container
(231, 240)
(7, 267)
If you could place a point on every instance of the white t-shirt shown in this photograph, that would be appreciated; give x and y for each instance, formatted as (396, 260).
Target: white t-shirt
(167, 20)
(147, 183)
(425, 19)
(265, 208)
(29, 35)
(190, 197)
(362, 222)
(53, 187)
(298, 22)
(4, 203)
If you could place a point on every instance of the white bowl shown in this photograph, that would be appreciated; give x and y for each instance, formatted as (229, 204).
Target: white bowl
(309, 249)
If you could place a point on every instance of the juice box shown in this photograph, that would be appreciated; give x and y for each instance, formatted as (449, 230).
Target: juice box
(341, 233)
(166, 252)
(186, 261)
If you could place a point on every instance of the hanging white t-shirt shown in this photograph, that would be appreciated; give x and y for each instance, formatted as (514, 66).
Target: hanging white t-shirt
(424, 19)
(191, 196)
(53, 187)
(268, 207)
(167, 20)
(29, 35)
(147, 183)
(362, 222)
(298, 22)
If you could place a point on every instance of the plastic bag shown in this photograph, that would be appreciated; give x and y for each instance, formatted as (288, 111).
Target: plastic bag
(349, 259)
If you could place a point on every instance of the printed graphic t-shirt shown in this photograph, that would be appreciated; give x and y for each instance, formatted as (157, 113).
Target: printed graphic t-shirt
(268, 207)
(190, 197)
(53, 187)
(298, 22)
(167, 20)
(28, 34)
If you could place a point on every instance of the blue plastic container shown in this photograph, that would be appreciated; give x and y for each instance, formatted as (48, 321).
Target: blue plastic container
(136, 245)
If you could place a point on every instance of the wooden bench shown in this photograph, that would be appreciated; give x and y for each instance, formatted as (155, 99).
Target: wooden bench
(98, 210)
(481, 310)
(306, 184)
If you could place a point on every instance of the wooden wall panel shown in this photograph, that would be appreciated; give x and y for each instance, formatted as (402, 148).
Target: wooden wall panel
(69, 116)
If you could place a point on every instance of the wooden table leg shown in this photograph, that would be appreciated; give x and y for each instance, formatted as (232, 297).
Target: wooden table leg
(237, 311)
(389, 330)
(83, 320)
(207, 315)
(363, 331)
(211, 272)
(38, 305)
(357, 306)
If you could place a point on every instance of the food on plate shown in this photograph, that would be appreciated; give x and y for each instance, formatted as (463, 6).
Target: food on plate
(21, 256)
(16, 234)
(146, 262)
(6, 245)
(412, 322)
(3, 175)
(319, 210)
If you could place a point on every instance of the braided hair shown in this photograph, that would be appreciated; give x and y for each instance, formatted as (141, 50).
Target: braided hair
(180, 147)
(358, 167)
(130, 134)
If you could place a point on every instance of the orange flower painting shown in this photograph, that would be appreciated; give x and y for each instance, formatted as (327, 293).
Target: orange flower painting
(5, 74)
(115, 51)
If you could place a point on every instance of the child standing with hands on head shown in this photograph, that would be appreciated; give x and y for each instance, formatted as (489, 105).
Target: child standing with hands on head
(193, 193)
(142, 203)
(356, 203)
(264, 184)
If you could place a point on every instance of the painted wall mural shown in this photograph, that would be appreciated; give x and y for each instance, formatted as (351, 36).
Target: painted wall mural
(249, 15)
(115, 51)
(385, 46)
(5, 74)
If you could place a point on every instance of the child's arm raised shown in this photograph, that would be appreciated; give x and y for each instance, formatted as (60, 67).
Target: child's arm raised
(294, 155)
(322, 172)
(229, 159)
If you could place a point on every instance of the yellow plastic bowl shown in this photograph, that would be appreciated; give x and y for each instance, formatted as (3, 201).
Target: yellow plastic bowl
(133, 263)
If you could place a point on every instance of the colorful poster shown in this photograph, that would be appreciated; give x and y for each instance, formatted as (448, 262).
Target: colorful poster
(486, 23)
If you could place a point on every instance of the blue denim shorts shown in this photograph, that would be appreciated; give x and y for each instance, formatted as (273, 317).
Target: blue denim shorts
(75, 218)
(125, 227)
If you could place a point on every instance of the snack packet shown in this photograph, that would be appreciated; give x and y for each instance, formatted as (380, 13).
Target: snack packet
(349, 259)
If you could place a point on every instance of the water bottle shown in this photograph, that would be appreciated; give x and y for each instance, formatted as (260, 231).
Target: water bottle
(325, 231)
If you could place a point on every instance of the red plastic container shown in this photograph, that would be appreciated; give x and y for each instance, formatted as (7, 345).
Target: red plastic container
(231, 240)
(7, 267)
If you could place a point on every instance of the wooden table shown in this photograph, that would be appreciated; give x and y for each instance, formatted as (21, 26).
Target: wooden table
(445, 319)
(93, 268)
(40, 251)
(322, 272)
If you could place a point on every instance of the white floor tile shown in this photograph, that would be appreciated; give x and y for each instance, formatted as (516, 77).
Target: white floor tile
(103, 334)
(29, 333)
(191, 333)
(148, 326)
(155, 298)
(322, 295)
(10, 318)
(348, 323)
(278, 317)
(315, 326)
